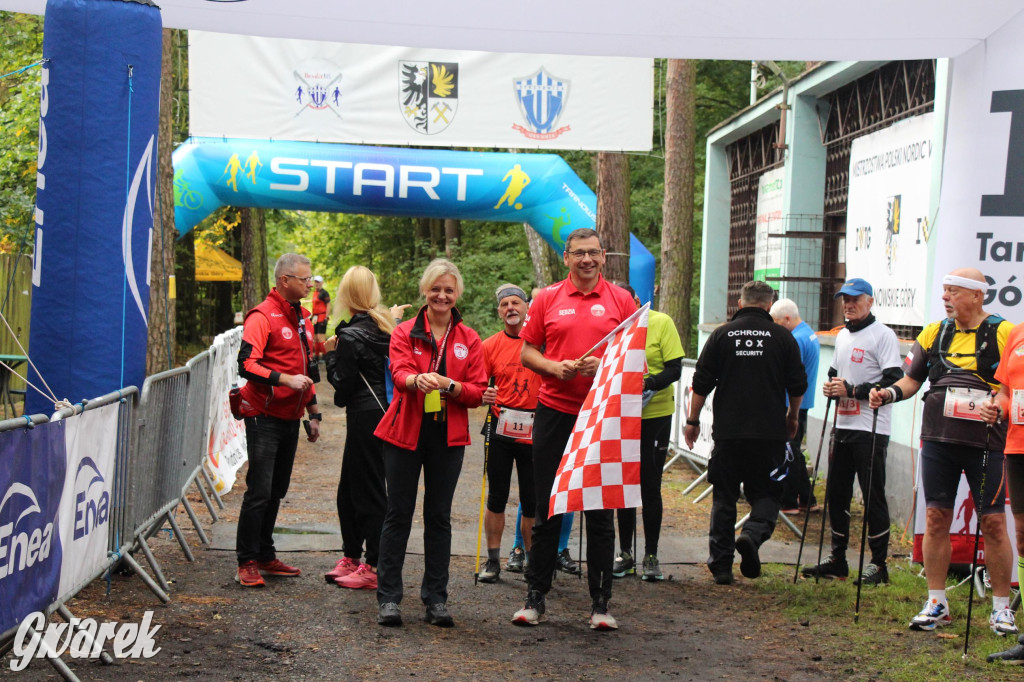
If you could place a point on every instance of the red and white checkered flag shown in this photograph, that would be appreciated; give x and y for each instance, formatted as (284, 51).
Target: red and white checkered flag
(600, 467)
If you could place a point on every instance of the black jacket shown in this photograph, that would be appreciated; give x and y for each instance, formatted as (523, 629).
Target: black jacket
(751, 363)
(362, 347)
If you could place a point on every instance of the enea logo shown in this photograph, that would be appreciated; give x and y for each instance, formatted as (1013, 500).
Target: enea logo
(317, 86)
(22, 544)
(428, 94)
(542, 99)
(92, 502)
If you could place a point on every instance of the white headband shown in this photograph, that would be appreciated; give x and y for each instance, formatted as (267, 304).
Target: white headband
(963, 282)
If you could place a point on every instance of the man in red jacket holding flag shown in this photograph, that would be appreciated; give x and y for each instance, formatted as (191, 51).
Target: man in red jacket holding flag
(565, 321)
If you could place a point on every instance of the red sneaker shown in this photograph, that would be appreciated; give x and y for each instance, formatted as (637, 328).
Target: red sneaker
(277, 567)
(364, 578)
(249, 575)
(341, 569)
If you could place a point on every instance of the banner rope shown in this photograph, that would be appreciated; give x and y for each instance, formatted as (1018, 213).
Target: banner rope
(127, 191)
(25, 68)
(51, 396)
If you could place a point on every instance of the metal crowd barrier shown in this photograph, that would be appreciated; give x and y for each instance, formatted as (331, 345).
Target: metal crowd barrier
(161, 445)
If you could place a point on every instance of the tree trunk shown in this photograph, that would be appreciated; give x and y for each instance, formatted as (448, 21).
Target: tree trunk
(188, 293)
(255, 279)
(452, 234)
(161, 341)
(677, 252)
(613, 213)
(436, 236)
(541, 254)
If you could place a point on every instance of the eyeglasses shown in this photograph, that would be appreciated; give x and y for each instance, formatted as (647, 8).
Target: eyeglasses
(578, 255)
(307, 280)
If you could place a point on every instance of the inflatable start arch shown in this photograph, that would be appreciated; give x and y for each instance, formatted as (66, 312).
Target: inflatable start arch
(540, 190)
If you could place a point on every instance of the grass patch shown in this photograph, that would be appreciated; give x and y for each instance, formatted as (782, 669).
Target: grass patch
(880, 645)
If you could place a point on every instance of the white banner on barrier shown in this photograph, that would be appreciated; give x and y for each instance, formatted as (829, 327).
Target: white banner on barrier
(705, 444)
(226, 452)
(887, 217)
(768, 250)
(91, 442)
(286, 89)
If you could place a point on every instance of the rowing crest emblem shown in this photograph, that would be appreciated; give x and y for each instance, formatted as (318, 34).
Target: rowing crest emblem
(428, 94)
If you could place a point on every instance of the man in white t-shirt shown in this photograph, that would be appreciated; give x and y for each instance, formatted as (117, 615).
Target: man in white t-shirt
(867, 355)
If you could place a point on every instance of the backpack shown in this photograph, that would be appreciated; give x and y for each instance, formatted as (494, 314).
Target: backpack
(986, 350)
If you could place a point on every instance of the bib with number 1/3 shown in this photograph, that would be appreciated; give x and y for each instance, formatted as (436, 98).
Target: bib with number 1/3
(515, 424)
(964, 403)
(849, 407)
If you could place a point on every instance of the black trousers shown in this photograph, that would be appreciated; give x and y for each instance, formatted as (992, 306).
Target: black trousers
(851, 458)
(551, 431)
(441, 466)
(362, 497)
(796, 487)
(750, 463)
(271, 444)
(654, 435)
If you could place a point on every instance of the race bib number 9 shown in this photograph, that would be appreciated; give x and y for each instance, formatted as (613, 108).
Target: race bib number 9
(849, 407)
(964, 403)
(1017, 407)
(515, 424)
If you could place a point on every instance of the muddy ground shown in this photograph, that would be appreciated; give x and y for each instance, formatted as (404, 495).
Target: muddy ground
(303, 628)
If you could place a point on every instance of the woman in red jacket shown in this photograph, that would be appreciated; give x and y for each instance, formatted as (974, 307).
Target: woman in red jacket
(438, 370)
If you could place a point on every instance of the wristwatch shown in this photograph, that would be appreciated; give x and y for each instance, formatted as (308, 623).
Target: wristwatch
(693, 422)
(451, 386)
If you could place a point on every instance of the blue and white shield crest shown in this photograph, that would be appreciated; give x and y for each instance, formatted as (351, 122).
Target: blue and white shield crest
(542, 99)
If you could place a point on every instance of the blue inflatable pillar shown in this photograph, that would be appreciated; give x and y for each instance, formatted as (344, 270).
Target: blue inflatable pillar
(99, 114)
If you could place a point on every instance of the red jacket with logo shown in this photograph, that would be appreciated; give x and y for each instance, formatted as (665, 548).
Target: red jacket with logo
(272, 346)
(412, 348)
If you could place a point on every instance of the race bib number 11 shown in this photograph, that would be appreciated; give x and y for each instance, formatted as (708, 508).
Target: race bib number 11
(515, 423)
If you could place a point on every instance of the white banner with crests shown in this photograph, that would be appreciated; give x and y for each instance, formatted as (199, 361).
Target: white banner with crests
(888, 221)
(312, 91)
(981, 213)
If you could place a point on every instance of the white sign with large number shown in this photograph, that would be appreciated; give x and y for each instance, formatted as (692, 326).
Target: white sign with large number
(887, 217)
(981, 211)
(768, 250)
(284, 89)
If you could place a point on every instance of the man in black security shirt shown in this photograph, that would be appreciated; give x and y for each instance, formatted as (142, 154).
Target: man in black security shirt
(753, 363)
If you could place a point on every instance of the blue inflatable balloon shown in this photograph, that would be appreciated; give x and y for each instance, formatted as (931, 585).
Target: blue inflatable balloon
(538, 189)
(99, 115)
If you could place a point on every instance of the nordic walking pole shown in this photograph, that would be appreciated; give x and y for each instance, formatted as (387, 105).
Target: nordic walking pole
(977, 535)
(867, 510)
(483, 485)
(828, 485)
(814, 477)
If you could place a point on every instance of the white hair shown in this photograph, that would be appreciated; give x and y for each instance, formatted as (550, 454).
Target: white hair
(785, 307)
(287, 262)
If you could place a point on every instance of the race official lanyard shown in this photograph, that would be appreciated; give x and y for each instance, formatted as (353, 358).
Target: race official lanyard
(435, 362)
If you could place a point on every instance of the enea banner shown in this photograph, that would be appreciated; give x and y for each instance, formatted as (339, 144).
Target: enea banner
(888, 222)
(768, 250)
(981, 211)
(303, 90)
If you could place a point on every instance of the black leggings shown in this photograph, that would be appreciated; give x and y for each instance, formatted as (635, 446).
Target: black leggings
(654, 435)
(502, 453)
(362, 499)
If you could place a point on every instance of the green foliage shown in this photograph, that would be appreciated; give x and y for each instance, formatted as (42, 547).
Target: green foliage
(21, 44)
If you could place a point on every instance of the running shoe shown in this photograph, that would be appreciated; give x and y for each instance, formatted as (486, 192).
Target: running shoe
(363, 578)
(248, 575)
(750, 561)
(341, 569)
(566, 564)
(652, 569)
(623, 565)
(873, 575)
(277, 567)
(532, 612)
(934, 614)
(437, 614)
(389, 615)
(600, 619)
(1001, 622)
(516, 560)
(833, 567)
(490, 572)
